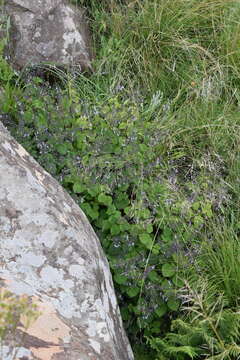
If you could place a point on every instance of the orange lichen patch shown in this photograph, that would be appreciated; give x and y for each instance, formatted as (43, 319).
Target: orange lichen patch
(46, 335)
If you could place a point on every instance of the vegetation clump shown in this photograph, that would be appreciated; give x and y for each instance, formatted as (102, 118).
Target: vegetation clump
(148, 146)
(16, 313)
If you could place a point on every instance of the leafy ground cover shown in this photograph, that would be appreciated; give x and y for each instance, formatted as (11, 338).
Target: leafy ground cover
(148, 146)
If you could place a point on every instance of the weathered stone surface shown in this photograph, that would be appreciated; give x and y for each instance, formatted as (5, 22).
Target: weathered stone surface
(49, 252)
(51, 31)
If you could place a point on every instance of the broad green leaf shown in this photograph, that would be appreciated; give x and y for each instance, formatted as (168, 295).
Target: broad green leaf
(94, 190)
(198, 220)
(143, 148)
(166, 286)
(111, 209)
(123, 126)
(167, 235)
(62, 149)
(78, 188)
(80, 142)
(149, 228)
(115, 229)
(136, 310)
(123, 188)
(168, 270)
(153, 276)
(94, 214)
(156, 249)
(120, 279)
(106, 225)
(121, 201)
(196, 205)
(105, 199)
(125, 313)
(128, 210)
(86, 207)
(177, 281)
(144, 214)
(146, 240)
(207, 209)
(161, 310)
(173, 304)
(82, 122)
(90, 212)
(132, 291)
(156, 327)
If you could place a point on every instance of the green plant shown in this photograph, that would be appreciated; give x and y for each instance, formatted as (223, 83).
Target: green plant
(220, 263)
(14, 310)
(209, 327)
(209, 330)
(107, 157)
(148, 145)
(170, 45)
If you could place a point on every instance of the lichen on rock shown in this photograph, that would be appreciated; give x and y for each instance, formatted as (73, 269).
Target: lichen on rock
(50, 253)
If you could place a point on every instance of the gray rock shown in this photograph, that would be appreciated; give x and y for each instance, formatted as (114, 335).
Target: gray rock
(3, 24)
(47, 31)
(50, 253)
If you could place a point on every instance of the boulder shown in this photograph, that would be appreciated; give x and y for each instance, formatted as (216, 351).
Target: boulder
(47, 32)
(50, 254)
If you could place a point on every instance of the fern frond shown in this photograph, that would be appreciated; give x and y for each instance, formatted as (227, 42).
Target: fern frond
(234, 350)
(185, 350)
(169, 349)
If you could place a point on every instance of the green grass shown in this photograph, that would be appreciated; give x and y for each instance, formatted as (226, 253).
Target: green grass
(221, 263)
(168, 45)
(148, 146)
(209, 325)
